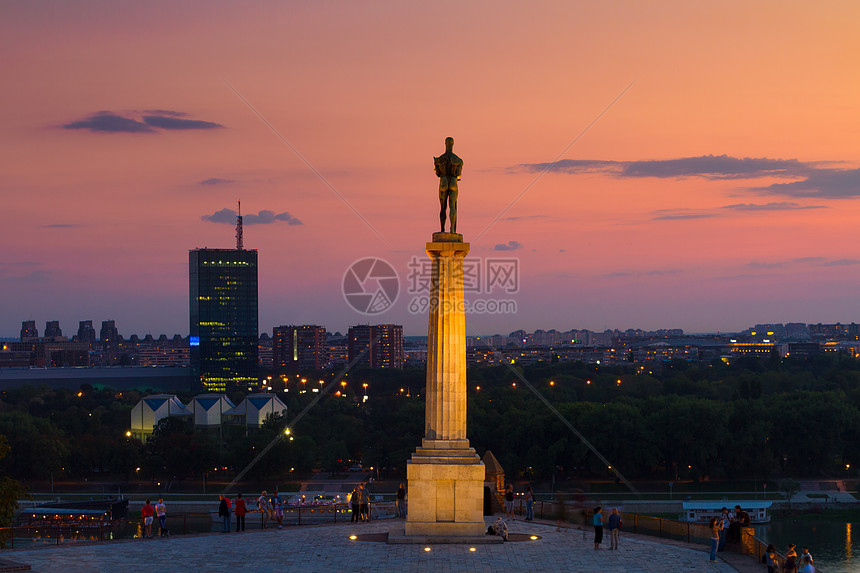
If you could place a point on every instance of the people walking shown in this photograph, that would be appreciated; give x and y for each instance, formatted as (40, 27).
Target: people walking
(509, 502)
(614, 525)
(224, 513)
(146, 513)
(240, 511)
(530, 503)
(400, 502)
(161, 512)
(597, 521)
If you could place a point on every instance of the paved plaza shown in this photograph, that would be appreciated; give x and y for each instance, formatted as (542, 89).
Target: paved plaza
(327, 548)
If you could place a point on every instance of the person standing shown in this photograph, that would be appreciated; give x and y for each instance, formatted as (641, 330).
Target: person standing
(224, 513)
(355, 504)
(530, 504)
(790, 559)
(806, 564)
(146, 513)
(509, 502)
(614, 525)
(278, 509)
(364, 502)
(265, 509)
(716, 526)
(726, 519)
(597, 521)
(161, 512)
(240, 512)
(401, 502)
(770, 559)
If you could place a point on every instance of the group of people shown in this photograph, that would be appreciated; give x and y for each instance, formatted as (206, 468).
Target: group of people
(269, 508)
(149, 512)
(793, 563)
(613, 524)
(359, 501)
(725, 527)
(509, 502)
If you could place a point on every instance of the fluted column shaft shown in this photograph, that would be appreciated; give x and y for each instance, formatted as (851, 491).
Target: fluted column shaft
(446, 345)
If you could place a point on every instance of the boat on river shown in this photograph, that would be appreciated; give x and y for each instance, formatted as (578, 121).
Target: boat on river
(703, 511)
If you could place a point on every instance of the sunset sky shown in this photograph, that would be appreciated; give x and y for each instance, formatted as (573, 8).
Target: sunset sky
(649, 165)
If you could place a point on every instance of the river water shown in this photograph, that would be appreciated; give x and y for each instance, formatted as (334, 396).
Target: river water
(831, 539)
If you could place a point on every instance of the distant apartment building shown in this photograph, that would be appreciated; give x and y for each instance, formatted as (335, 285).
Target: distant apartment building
(86, 332)
(836, 331)
(108, 335)
(50, 351)
(265, 351)
(379, 346)
(299, 347)
(52, 329)
(163, 352)
(29, 330)
(338, 352)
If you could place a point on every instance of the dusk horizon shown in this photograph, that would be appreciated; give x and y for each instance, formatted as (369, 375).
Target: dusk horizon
(652, 167)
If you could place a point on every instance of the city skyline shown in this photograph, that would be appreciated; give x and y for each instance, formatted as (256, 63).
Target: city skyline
(660, 166)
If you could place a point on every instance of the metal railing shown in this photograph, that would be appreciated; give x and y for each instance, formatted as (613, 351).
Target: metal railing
(58, 532)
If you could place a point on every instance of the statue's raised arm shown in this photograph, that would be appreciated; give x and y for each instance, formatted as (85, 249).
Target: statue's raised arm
(448, 168)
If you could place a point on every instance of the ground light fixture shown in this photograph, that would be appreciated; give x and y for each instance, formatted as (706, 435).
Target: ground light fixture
(353, 537)
(427, 549)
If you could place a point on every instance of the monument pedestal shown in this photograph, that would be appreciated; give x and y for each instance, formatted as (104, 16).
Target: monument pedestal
(446, 490)
(445, 475)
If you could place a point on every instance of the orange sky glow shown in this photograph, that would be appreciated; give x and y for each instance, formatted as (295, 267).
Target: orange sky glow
(721, 190)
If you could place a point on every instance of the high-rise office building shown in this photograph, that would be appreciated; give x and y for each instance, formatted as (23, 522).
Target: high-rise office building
(381, 345)
(224, 317)
(299, 347)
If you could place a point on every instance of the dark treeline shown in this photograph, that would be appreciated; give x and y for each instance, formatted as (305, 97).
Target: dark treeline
(757, 417)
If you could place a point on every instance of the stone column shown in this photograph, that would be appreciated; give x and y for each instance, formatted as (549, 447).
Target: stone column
(445, 475)
(445, 418)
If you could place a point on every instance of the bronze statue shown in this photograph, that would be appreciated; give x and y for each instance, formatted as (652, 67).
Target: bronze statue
(448, 169)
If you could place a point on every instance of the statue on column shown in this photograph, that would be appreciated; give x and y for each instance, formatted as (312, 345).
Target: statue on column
(448, 167)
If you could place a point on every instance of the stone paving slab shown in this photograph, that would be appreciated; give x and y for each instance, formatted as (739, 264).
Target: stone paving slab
(327, 548)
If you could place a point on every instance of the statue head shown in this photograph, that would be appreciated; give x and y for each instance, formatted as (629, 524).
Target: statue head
(449, 144)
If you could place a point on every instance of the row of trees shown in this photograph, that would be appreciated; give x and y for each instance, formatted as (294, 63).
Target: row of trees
(754, 418)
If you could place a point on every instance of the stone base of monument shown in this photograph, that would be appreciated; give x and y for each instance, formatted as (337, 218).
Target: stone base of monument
(447, 237)
(446, 495)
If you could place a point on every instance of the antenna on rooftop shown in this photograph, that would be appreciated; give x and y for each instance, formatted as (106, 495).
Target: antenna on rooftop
(239, 239)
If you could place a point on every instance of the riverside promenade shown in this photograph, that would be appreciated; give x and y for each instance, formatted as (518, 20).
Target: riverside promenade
(327, 548)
